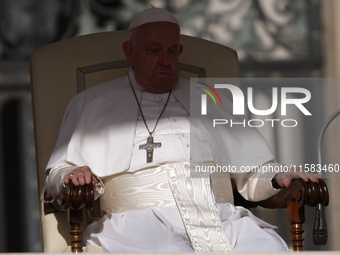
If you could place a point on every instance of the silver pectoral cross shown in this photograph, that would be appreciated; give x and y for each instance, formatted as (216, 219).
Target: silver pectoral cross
(149, 146)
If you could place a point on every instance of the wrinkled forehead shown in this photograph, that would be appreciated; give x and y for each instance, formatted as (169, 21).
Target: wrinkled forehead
(157, 31)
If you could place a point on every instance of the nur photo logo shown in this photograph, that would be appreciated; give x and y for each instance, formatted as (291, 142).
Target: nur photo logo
(243, 103)
(204, 97)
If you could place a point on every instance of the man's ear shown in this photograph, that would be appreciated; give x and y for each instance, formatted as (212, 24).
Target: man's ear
(180, 49)
(127, 47)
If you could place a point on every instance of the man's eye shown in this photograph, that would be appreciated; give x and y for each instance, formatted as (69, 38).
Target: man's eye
(153, 51)
(173, 52)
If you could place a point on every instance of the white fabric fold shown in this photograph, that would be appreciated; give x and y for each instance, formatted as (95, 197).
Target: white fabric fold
(160, 229)
(257, 185)
(55, 179)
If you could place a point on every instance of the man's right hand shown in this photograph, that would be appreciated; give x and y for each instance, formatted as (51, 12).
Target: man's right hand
(80, 176)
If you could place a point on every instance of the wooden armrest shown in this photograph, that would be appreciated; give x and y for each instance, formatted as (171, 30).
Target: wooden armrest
(74, 199)
(77, 197)
(302, 193)
(294, 198)
(297, 196)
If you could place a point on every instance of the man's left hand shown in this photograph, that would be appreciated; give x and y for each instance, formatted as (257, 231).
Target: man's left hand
(284, 179)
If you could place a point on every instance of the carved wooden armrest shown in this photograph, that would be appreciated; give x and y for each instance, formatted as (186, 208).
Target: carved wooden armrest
(294, 198)
(74, 199)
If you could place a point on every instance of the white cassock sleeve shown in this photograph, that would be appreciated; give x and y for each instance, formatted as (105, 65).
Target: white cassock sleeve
(55, 179)
(257, 186)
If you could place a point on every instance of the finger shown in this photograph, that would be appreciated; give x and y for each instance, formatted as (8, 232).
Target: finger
(94, 180)
(306, 176)
(81, 173)
(314, 177)
(68, 178)
(87, 174)
(73, 177)
(79, 176)
(84, 176)
(287, 182)
(284, 179)
(302, 175)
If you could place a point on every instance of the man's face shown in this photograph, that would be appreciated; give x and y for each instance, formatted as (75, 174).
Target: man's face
(153, 52)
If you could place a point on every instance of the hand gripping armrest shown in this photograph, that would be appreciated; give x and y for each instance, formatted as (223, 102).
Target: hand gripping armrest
(74, 199)
(295, 197)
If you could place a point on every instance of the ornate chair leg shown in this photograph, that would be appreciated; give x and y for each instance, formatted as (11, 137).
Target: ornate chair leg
(296, 217)
(75, 220)
(320, 234)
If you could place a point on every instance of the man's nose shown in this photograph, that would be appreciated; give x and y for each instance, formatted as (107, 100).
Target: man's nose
(164, 58)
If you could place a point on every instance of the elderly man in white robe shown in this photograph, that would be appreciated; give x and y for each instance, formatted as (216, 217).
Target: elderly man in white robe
(132, 135)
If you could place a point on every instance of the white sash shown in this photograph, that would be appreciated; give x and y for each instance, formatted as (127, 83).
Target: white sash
(170, 185)
(195, 203)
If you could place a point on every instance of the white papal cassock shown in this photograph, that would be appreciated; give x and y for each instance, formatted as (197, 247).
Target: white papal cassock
(145, 207)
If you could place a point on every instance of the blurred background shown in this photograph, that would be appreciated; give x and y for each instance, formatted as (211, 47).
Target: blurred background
(273, 38)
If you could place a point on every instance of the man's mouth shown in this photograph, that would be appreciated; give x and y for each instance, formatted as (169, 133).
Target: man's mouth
(164, 73)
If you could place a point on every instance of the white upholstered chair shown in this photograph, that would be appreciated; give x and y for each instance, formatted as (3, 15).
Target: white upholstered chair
(60, 70)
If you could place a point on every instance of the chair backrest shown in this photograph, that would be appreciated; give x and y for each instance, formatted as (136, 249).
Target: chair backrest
(60, 69)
